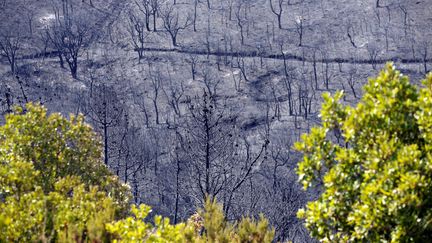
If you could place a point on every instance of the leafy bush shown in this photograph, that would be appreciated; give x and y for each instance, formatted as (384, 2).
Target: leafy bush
(207, 225)
(377, 182)
(52, 181)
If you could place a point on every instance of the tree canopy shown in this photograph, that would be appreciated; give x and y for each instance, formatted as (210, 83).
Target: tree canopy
(52, 180)
(377, 176)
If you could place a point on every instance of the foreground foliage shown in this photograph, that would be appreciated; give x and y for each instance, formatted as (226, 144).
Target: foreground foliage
(54, 187)
(377, 179)
(208, 225)
(52, 182)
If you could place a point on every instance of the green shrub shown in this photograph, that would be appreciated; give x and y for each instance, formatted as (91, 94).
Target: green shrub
(52, 181)
(377, 182)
